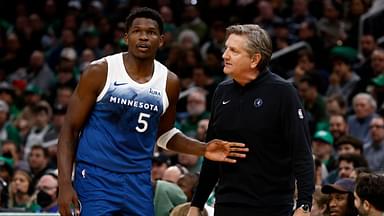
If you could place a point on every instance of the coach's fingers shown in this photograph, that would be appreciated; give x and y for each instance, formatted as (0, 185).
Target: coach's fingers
(232, 149)
(229, 160)
(235, 144)
(238, 155)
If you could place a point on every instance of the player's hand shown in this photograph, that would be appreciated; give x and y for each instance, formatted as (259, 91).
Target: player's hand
(194, 211)
(67, 199)
(219, 150)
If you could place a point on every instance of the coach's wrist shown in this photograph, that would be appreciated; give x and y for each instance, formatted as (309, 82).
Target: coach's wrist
(194, 211)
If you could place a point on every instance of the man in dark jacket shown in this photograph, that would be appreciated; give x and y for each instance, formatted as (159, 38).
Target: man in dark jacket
(258, 108)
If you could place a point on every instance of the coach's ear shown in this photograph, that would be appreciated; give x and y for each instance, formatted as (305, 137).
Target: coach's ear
(255, 60)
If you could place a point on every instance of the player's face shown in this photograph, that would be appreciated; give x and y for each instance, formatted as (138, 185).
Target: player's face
(143, 38)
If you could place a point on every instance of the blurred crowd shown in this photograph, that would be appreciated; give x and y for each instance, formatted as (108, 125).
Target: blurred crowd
(46, 44)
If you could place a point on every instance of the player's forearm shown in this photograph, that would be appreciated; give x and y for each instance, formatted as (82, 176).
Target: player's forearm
(181, 143)
(65, 156)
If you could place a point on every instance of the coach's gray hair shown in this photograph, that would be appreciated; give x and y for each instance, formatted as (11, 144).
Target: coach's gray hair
(258, 41)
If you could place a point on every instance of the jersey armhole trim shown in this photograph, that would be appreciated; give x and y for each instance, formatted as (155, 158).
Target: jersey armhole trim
(107, 80)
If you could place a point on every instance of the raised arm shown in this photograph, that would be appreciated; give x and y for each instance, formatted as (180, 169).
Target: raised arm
(80, 105)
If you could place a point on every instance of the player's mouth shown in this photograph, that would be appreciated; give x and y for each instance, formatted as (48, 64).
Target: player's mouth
(143, 47)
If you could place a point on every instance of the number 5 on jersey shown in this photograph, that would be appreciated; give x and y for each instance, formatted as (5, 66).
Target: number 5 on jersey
(142, 122)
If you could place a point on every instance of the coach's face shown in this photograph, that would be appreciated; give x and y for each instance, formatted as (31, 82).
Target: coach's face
(238, 63)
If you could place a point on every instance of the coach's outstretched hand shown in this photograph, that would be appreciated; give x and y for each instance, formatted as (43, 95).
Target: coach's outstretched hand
(67, 200)
(219, 150)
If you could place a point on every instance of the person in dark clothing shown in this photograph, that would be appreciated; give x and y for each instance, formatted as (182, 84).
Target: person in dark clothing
(260, 109)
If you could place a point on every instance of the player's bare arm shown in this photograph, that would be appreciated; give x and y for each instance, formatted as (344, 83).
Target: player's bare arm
(80, 105)
(215, 150)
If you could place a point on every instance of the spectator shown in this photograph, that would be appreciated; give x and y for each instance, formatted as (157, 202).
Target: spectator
(364, 69)
(42, 114)
(338, 126)
(322, 144)
(202, 127)
(305, 66)
(174, 173)
(314, 103)
(308, 33)
(202, 77)
(349, 145)
(193, 21)
(364, 106)
(300, 14)
(21, 191)
(47, 189)
(188, 183)
(346, 165)
(348, 162)
(343, 79)
(374, 150)
(38, 160)
(167, 196)
(6, 173)
(336, 104)
(369, 194)
(7, 130)
(359, 170)
(160, 163)
(7, 94)
(196, 110)
(266, 17)
(376, 80)
(11, 150)
(216, 40)
(37, 73)
(319, 203)
(341, 201)
(331, 26)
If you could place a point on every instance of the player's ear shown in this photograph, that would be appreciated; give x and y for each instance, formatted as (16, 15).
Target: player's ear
(161, 44)
(126, 38)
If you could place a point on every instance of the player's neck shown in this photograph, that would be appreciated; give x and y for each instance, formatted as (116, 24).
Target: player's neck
(138, 68)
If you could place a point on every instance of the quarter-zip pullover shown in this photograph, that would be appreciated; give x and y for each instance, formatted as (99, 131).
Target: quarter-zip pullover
(266, 115)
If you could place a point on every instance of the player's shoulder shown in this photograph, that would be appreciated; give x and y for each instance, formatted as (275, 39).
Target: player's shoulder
(95, 72)
(96, 66)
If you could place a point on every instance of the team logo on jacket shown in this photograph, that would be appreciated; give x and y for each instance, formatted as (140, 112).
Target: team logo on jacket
(258, 102)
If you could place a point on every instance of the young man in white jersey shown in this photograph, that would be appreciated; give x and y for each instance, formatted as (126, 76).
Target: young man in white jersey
(122, 106)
